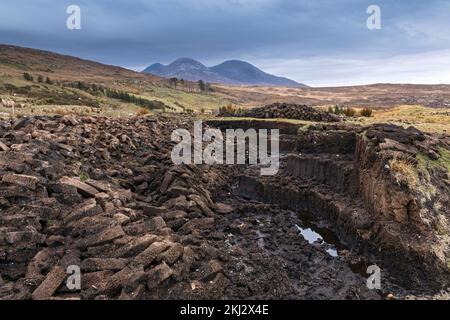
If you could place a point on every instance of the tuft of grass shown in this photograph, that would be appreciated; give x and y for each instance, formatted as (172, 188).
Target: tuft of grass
(441, 226)
(366, 112)
(349, 112)
(364, 136)
(143, 112)
(404, 172)
(443, 163)
(415, 177)
(444, 160)
(50, 222)
(83, 176)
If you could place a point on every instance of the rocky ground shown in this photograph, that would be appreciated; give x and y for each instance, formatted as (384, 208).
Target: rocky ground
(285, 111)
(104, 195)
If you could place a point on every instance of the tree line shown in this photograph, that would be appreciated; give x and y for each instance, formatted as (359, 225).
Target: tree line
(201, 85)
(121, 95)
(40, 78)
(98, 90)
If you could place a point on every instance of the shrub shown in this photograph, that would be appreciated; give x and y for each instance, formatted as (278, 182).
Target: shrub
(338, 110)
(349, 112)
(201, 85)
(366, 112)
(143, 112)
(28, 76)
(230, 109)
(82, 86)
(173, 82)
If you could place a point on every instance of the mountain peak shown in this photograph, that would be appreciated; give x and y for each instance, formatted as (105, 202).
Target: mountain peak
(234, 72)
(156, 65)
(236, 61)
(154, 68)
(184, 64)
(185, 60)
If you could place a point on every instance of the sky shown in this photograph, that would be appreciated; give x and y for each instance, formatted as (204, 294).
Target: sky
(317, 42)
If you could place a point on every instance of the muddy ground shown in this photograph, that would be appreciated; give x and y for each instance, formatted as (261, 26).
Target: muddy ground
(104, 195)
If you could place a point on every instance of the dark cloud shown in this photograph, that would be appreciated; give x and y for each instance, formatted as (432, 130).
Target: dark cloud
(136, 33)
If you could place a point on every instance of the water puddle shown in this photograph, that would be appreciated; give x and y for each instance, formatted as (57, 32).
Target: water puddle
(327, 238)
(333, 252)
(309, 235)
(313, 237)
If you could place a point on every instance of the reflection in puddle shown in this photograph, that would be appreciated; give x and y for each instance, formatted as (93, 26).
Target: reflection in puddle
(333, 252)
(313, 237)
(309, 235)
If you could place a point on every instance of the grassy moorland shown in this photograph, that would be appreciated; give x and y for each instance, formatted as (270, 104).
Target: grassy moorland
(45, 82)
(423, 118)
(42, 82)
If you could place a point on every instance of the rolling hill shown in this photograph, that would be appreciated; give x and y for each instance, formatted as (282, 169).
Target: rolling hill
(66, 71)
(76, 82)
(15, 60)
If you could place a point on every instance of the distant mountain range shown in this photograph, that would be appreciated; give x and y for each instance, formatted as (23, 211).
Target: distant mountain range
(232, 72)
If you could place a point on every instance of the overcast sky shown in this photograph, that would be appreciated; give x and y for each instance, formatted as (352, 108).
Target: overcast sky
(317, 42)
